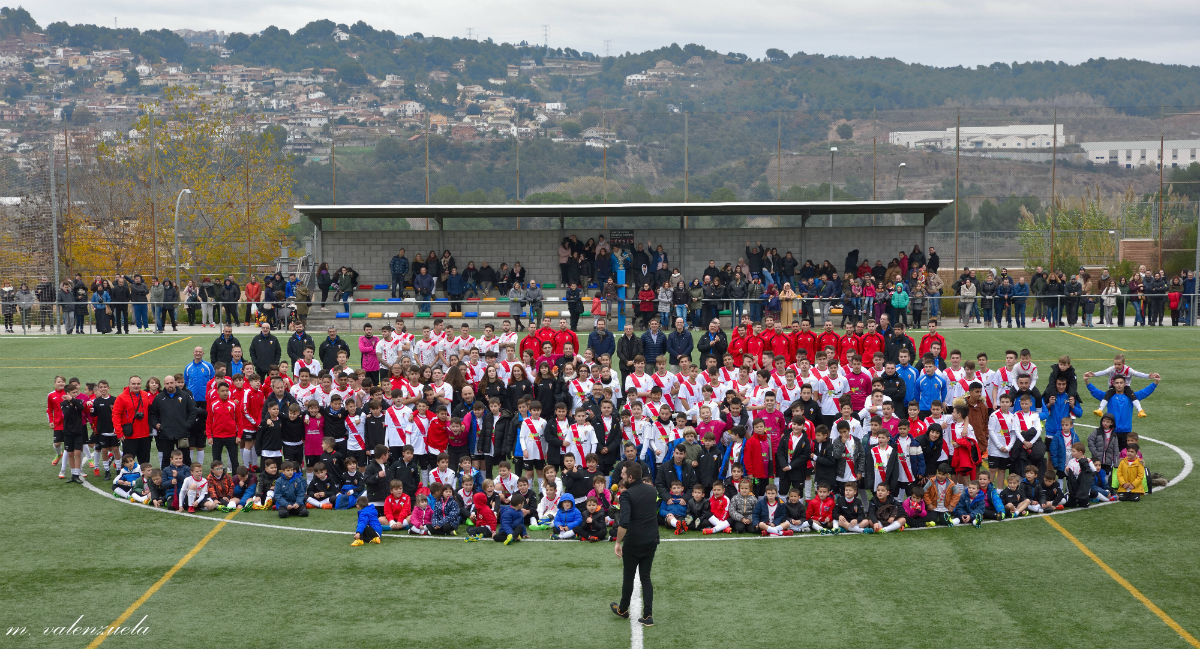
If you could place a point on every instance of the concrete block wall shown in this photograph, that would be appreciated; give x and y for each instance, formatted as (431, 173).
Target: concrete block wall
(537, 250)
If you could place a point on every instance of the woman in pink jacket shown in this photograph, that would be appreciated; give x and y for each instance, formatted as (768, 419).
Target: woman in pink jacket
(366, 347)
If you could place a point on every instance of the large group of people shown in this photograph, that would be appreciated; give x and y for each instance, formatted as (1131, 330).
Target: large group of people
(907, 289)
(766, 429)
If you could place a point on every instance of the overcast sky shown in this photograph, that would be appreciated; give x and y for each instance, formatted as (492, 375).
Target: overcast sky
(936, 32)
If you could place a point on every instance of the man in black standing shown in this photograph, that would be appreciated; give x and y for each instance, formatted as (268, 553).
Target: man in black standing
(637, 540)
(264, 350)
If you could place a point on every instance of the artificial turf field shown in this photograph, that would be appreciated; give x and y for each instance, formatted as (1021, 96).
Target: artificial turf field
(71, 552)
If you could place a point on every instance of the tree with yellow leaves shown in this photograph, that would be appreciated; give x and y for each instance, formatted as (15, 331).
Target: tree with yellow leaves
(239, 207)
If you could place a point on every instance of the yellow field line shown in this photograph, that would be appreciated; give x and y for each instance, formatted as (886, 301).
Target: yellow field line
(164, 579)
(1072, 333)
(174, 342)
(1137, 594)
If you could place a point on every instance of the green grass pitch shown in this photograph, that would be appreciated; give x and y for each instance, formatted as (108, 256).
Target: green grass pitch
(70, 552)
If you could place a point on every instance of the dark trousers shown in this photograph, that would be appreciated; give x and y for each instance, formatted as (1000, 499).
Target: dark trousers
(231, 316)
(121, 319)
(638, 560)
(139, 448)
(229, 444)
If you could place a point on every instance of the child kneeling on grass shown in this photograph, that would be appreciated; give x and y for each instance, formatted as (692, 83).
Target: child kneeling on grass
(969, 510)
(512, 521)
(368, 528)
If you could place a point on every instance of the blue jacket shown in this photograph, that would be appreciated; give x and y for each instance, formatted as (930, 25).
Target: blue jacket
(399, 266)
(291, 492)
(1020, 292)
(679, 343)
(567, 517)
(602, 343)
(992, 498)
(196, 377)
(1057, 448)
(930, 388)
(180, 473)
(674, 505)
(423, 284)
(653, 348)
(1053, 415)
(760, 512)
(1120, 407)
(511, 521)
(455, 284)
(968, 506)
(445, 514)
(368, 517)
(910, 374)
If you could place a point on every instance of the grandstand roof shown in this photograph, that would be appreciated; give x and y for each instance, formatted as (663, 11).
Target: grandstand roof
(805, 209)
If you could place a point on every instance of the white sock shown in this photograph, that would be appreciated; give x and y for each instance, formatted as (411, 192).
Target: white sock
(87, 451)
(671, 520)
(1035, 508)
(773, 529)
(248, 457)
(893, 527)
(140, 498)
(567, 534)
(160, 457)
(956, 521)
(121, 492)
(199, 456)
(313, 501)
(96, 458)
(854, 528)
(805, 527)
(719, 526)
(308, 477)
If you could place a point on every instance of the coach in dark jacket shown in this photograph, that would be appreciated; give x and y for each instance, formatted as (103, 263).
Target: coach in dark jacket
(712, 343)
(171, 416)
(264, 350)
(679, 342)
(297, 342)
(222, 348)
(601, 340)
(329, 349)
(629, 347)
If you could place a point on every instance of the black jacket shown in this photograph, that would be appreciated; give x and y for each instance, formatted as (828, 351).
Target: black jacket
(667, 474)
(710, 465)
(824, 465)
(264, 350)
(409, 473)
(893, 387)
(799, 461)
(329, 349)
(639, 516)
(378, 488)
(269, 436)
(628, 347)
(713, 345)
(608, 439)
(222, 350)
(175, 412)
(296, 345)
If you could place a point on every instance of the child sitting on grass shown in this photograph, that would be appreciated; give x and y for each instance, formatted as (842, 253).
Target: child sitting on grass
(128, 483)
(421, 517)
(884, 513)
(368, 528)
(566, 519)
(265, 497)
(290, 491)
(194, 492)
(397, 508)
(969, 510)
(321, 490)
(594, 527)
(220, 488)
(672, 511)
